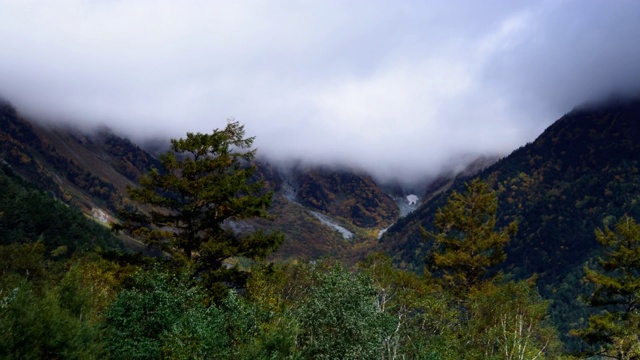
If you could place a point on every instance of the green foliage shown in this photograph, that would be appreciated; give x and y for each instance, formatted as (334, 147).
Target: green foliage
(161, 316)
(425, 325)
(204, 187)
(277, 288)
(617, 292)
(28, 214)
(509, 321)
(340, 320)
(52, 309)
(37, 323)
(467, 246)
(298, 311)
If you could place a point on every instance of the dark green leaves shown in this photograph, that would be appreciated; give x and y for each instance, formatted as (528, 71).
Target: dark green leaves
(617, 292)
(205, 186)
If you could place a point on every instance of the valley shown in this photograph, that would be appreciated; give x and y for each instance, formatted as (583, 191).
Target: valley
(579, 175)
(348, 180)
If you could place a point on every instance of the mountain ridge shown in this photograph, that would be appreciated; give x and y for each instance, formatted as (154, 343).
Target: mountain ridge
(581, 173)
(580, 142)
(93, 169)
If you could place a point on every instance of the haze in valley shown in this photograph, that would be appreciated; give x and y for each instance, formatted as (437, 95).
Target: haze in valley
(401, 89)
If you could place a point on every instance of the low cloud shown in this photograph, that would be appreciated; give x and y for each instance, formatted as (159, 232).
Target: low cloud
(398, 88)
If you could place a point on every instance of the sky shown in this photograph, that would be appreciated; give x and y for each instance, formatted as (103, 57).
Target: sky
(402, 89)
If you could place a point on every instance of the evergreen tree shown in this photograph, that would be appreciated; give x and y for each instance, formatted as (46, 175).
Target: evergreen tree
(616, 330)
(466, 245)
(205, 187)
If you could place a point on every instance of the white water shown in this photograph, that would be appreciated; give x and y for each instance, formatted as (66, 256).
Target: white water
(346, 234)
(381, 232)
(289, 192)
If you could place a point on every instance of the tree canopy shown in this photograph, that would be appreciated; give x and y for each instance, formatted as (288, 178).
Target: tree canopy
(197, 200)
(617, 292)
(467, 245)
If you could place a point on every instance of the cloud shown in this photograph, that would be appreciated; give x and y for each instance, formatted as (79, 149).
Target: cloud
(399, 88)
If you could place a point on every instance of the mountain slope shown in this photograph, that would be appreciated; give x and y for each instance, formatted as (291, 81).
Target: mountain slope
(325, 211)
(322, 210)
(582, 171)
(90, 171)
(348, 195)
(28, 215)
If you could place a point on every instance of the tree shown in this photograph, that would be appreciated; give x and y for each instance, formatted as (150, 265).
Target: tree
(425, 326)
(163, 317)
(508, 321)
(204, 189)
(340, 319)
(466, 244)
(616, 330)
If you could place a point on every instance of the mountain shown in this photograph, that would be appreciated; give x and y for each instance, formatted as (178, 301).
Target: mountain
(323, 211)
(581, 173)
(29, 215)
(349, 195)
(90, 171)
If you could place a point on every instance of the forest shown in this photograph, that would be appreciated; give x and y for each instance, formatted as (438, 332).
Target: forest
(70, 289)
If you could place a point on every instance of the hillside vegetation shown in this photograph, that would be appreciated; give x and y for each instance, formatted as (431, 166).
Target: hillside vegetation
(536, 257)
(88, 171)
(92, 170)
(348, 195)
(28, 215)
(582, 173)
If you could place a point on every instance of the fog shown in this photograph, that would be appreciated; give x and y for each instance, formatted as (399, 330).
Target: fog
(401, 89)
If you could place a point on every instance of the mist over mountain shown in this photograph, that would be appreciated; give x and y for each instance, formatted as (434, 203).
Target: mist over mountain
(401, 90)
(579, 175)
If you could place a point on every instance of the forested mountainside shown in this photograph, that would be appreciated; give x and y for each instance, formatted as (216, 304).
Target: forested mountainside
(347, 195)
(29, 215)
(325, 211)
(90, 171)
(64, 296)
(582, 173)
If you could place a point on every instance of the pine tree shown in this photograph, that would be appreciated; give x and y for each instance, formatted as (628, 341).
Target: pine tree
(617, 290)
(205, 187)
(467, 245)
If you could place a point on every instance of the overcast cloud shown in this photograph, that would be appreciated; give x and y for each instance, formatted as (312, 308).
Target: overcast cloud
(396, 87)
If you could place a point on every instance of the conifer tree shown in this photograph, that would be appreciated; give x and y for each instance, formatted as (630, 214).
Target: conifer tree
(205, 186)
(467, 245)
(617, 290)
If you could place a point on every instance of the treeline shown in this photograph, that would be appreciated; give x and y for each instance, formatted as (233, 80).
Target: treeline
(91, 307)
